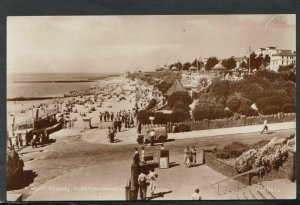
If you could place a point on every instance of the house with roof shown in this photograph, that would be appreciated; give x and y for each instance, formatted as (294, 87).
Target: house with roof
(282, 58)
(271, 50)
(239, 60)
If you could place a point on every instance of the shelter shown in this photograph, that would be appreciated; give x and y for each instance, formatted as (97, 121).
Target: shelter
(218, 67)
(176, 87)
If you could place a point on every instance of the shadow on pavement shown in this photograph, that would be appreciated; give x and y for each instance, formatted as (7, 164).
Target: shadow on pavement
(173, 164)
(117, 140)
(197, 165)
(160, 195)
(169, 140)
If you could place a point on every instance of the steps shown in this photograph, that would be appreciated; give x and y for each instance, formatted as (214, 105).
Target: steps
(267, 190)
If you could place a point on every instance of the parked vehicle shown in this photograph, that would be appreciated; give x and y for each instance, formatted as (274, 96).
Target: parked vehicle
(160, 135)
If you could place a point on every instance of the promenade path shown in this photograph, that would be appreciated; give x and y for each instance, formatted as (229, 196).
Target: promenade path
(107, 182)
(232, 130)
(128, 136)
(103, 170)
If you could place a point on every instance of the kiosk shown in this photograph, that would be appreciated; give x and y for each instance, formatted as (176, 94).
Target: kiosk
(164, 159)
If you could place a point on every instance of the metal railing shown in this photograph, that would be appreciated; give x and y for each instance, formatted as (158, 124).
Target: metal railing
(29, 123)
(258, 169)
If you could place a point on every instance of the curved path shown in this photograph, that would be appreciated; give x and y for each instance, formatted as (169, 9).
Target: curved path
(128, 136)
(99, 182)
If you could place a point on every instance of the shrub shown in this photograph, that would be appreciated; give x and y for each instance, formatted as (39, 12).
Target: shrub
(159, 118)
(220, 113)
(288, 108)
(178, 116)
(232, 150)
(233, 103)
(288, 76)
(206, 111)
(247, 110)
(272, 155)
(259, 144)
(182, 128)
(273, 109)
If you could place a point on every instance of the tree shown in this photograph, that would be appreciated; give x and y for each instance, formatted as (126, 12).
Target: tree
(256, 61)
(178, 65)
(266, 60)
(285, 68)
(186, 66)
(198, 64)
(211, 62)
(229, 63)
(243, 64)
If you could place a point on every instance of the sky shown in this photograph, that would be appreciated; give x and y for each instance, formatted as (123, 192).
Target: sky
(99, 44)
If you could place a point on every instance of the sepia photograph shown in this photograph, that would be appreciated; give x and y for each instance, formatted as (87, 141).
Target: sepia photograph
(151, 107)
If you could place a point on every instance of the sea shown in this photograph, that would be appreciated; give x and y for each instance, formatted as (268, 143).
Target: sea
(29, 87)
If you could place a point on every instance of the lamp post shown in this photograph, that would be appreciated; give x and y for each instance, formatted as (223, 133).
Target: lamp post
(249, 51)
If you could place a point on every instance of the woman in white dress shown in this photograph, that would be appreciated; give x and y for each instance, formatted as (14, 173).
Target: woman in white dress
(152, 178)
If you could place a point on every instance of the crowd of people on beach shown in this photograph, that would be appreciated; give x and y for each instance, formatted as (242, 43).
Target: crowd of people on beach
(122, 117)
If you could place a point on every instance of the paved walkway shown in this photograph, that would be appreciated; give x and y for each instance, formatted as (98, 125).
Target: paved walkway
(128, 136)
(98, 183)
(232, 130)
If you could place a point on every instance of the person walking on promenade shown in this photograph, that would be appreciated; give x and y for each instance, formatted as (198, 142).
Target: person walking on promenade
(101, 116)
(139, 128)
(122, 117)
(196, 195)
(187, 157)
(265, 127)
(112, 116)
(104, 116)
(143, 155)
(142, 180)
(109, 134)
(119, 124)
(152, 136)
(115, 125)
(34, 141)
(193, 156)
(152, 178)
(108, 116)
(136, 157)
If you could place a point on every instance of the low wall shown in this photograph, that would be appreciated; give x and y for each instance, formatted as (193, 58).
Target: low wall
(223, 168)
(229, 122)
(286, 171)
